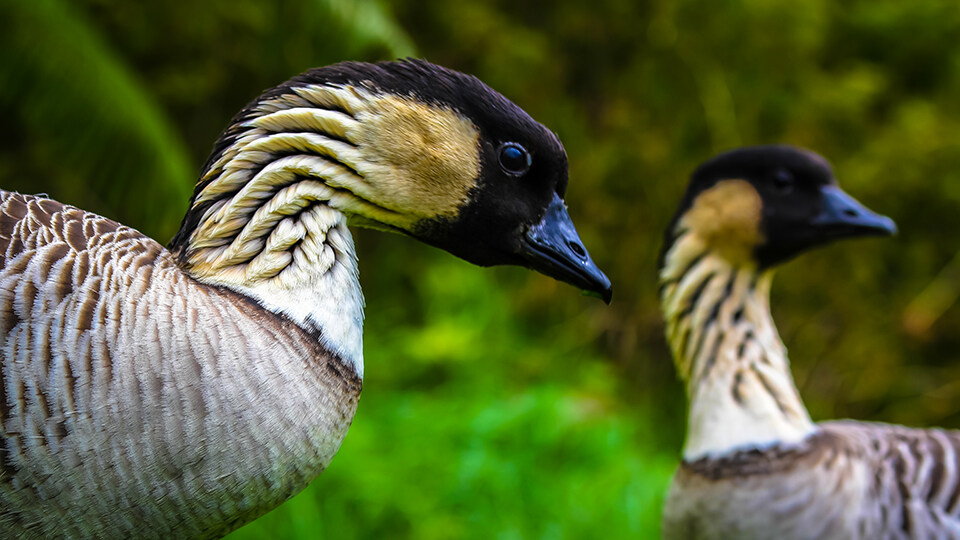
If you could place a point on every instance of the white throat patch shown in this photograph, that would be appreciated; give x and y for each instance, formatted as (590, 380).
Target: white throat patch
(318, 286)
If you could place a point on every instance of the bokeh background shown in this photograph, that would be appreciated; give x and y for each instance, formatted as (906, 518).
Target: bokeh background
(498, 403)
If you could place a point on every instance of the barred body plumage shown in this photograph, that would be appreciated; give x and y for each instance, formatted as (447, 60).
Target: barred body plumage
(128, 387)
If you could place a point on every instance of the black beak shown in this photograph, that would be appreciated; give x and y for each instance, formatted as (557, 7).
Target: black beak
(553, 247)
(843, 217)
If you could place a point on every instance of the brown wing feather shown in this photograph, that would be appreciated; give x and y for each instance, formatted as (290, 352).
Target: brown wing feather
(136, 401)
(915, 488)
(52, 267)
(850, 480)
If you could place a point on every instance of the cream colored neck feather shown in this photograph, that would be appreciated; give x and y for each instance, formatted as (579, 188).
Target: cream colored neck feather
(727, 351)
(275, 203)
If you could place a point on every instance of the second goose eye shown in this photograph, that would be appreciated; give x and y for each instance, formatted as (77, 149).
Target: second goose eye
(783, 180)
(514, 159)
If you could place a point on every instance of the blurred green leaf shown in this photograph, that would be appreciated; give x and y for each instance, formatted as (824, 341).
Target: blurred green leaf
(95, 134)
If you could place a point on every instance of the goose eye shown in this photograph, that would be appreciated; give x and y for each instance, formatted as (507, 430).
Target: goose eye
(514, 159)
(783, 181)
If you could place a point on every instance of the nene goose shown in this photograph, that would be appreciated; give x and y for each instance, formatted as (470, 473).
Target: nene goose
(183, 393)
(754, 464)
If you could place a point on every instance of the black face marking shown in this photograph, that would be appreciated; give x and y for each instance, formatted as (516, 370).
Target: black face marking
(493, 227)
(794, 186)
(490, 227)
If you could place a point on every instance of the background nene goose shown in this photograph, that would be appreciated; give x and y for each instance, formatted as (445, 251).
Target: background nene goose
(183, 393)
(754, 464)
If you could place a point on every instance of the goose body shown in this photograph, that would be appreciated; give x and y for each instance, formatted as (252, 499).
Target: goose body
(134, 392)
(847, 480)
(148, 392)
(754, 464)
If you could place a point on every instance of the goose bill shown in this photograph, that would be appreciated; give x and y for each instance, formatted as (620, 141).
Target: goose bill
(842, 216)
(553, 247)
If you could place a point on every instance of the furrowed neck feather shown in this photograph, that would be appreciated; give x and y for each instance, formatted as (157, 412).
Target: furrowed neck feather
(268, 217)
(727, 351)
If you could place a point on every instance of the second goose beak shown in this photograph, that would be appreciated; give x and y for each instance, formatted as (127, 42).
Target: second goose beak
(553, 247)
(843, 216)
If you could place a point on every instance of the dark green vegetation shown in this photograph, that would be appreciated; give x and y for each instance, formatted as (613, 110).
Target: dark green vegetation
(498, 403)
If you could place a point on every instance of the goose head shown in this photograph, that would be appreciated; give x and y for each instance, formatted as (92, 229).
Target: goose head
(764, 205)
(407, 147)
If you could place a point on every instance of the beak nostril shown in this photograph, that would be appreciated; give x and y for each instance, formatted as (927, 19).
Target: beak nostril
(849, 212)
(578, 249)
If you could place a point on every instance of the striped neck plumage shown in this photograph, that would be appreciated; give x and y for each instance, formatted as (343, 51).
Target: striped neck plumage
(270, 213)
(727, 352)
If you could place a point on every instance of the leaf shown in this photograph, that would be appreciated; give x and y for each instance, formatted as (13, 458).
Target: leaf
(369, 21)
(90, 133)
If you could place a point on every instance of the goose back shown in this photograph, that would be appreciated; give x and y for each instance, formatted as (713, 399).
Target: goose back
(177, 391)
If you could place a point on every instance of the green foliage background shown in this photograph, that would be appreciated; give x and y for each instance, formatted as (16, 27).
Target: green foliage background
(497, 403)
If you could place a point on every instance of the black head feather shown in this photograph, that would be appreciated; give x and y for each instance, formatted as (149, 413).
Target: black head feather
(802, 205)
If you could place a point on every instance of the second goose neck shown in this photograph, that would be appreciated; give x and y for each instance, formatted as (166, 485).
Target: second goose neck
(728, 353)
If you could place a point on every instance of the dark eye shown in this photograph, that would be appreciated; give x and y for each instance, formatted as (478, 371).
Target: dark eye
(514, 159)
(783, 181)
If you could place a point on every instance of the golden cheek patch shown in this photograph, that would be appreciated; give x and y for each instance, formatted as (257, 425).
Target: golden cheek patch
(727, 217)
(423, 159)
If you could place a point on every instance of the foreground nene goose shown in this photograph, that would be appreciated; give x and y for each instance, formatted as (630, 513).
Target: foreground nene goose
(183, 393)
(754, 464)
